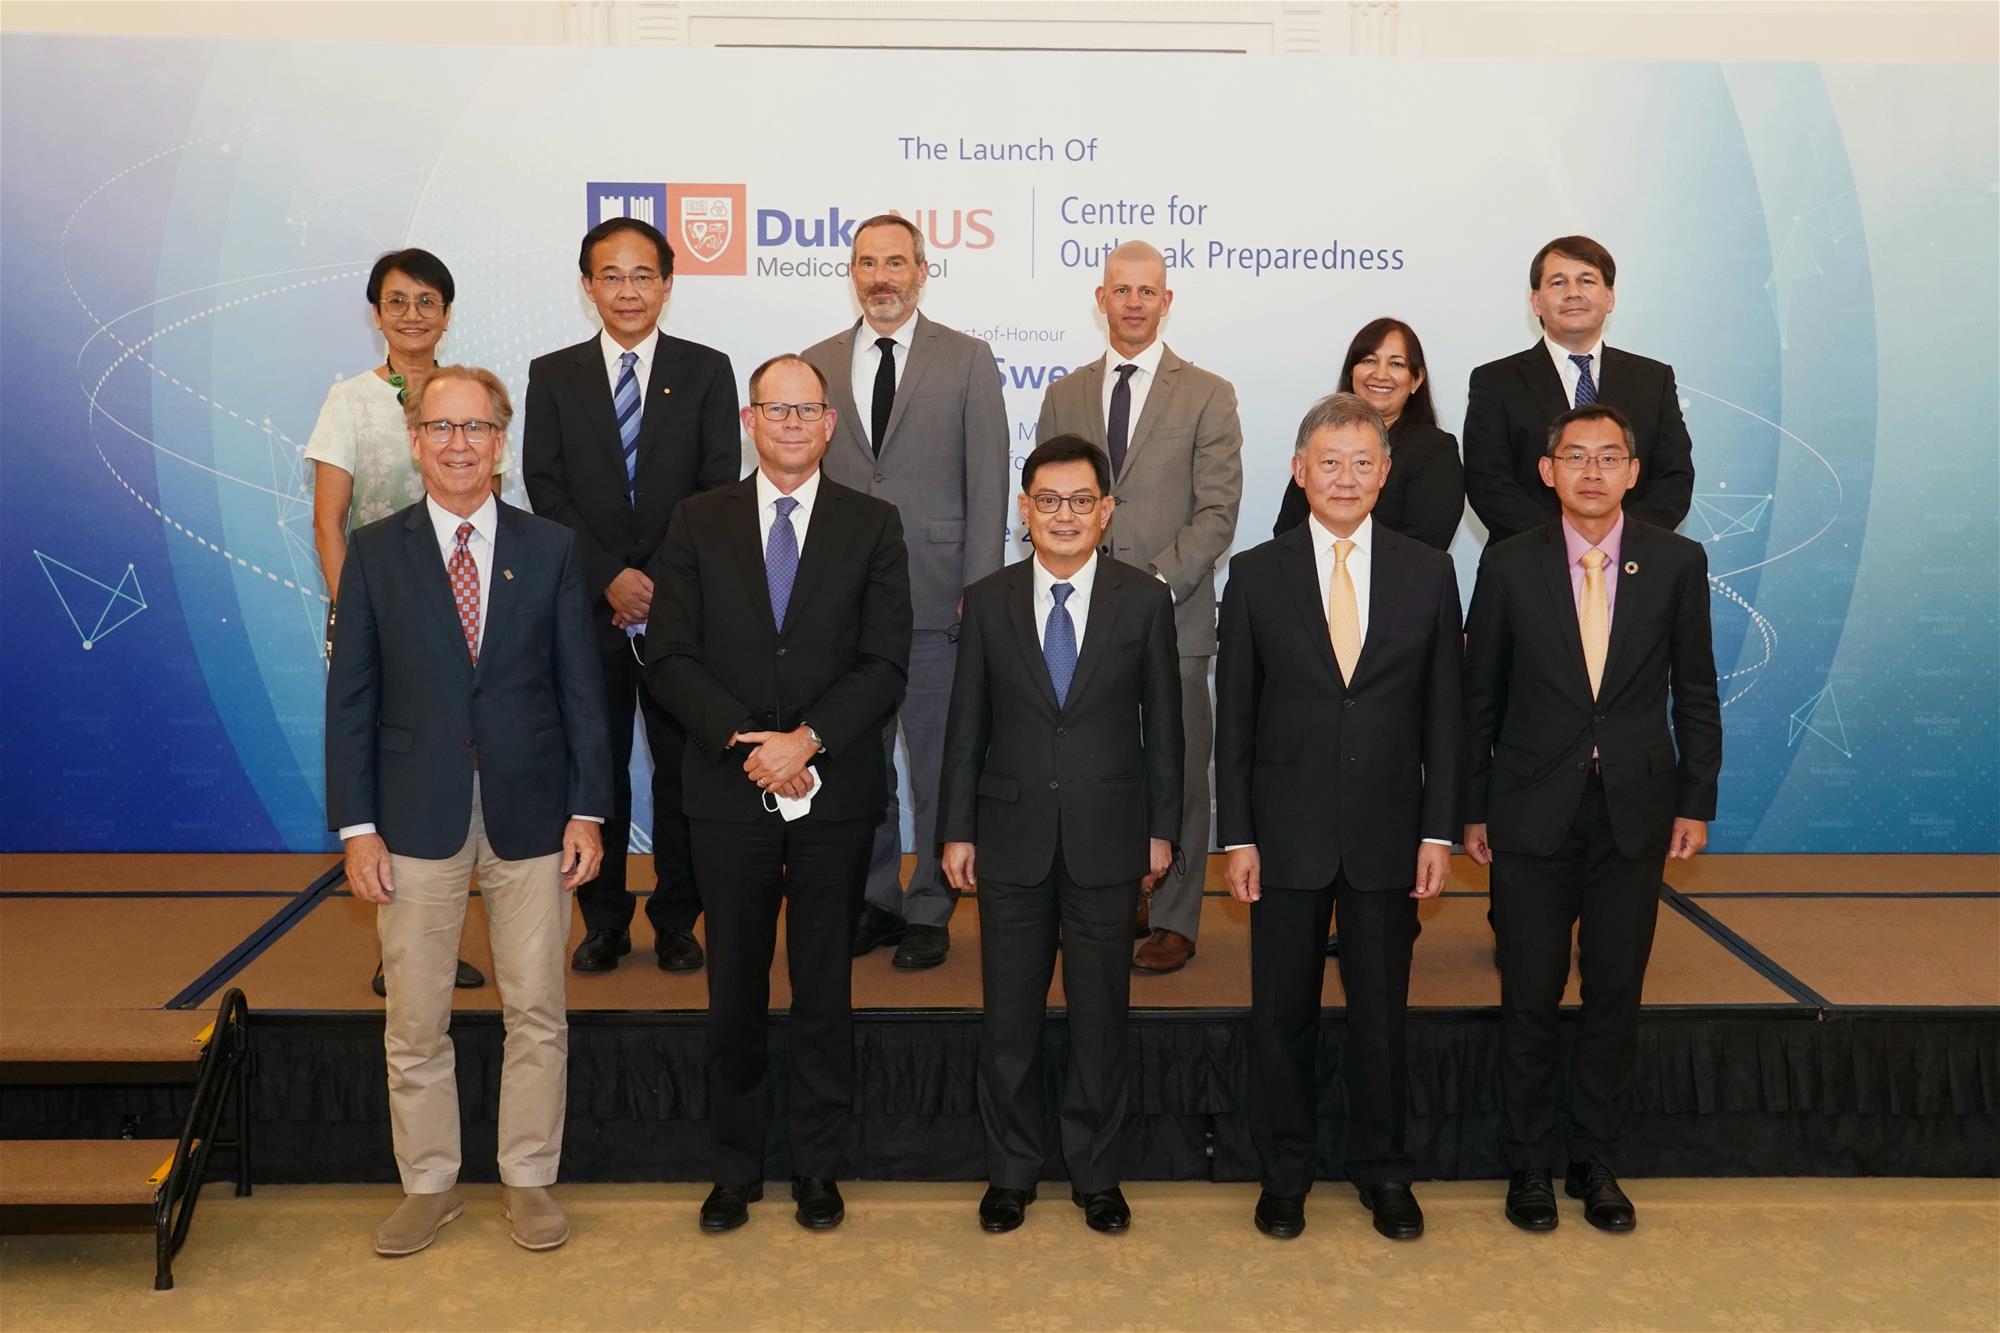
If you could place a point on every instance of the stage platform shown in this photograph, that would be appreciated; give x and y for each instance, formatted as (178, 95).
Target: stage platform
(1804, 1015)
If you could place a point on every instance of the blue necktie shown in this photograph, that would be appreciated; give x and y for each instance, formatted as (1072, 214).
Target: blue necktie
(1118, 426)
(1059, 644)
(781, 559)
(1586, 388)
(625, 398)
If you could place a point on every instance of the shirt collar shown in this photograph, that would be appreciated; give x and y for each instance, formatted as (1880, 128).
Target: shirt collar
(1363, 538)
(612, 352)
(485, 520)
(1081, 581)
(1148, 360)
(1576, 544)
(768, 492)
(1561, 355)
(905, 337)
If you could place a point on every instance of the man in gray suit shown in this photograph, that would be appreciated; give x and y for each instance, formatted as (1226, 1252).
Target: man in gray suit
(921, 425)
(1177, 470)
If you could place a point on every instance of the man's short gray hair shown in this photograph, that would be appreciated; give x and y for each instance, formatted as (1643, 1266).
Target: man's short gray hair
(890, 220)
(1337, 410)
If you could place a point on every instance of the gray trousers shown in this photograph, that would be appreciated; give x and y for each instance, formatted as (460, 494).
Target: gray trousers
(929, 900)
(1177, 900)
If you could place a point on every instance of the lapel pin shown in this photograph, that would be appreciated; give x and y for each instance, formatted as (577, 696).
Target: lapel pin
(508, 574)
(1631, 566)
(665, 391)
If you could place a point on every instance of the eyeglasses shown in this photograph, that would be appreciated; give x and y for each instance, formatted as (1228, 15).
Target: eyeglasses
(639, 282)
(779, 411)
(426, 306)
(1047, 502)
(476, 432)
(1607, 459)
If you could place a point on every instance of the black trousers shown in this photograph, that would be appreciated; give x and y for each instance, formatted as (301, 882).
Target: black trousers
(606, 902)
(814, 869)
(1019, 926)
(1287, 969)
(1612, 904)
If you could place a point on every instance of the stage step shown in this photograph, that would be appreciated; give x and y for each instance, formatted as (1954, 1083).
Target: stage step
(83, 1172)
(51, 1045)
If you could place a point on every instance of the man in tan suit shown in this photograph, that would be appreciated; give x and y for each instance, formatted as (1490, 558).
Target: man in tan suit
(1175, 445)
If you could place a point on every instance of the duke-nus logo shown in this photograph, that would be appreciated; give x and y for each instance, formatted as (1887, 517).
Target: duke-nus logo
(706, 224)
(624, 199)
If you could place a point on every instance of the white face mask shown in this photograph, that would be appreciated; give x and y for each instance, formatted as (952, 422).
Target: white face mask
(789, 808)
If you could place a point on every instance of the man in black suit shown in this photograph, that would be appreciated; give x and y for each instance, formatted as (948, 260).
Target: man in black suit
(465, 730)
(1510, 402)
(1336, 767)
(1060, 795)
(620, 429)
(1584, 637)
(781, 640)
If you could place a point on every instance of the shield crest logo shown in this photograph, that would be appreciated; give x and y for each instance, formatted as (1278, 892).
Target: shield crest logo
(707, 224)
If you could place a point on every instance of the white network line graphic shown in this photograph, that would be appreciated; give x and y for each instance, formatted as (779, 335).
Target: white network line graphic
(128, 603)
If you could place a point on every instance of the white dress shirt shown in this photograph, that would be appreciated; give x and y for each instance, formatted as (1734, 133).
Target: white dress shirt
(643, 367)
(1078, 604)
(1567, 368)
(868, 360)
(485, 522)
(1360, 568)
(767, 508)
(1148, 363)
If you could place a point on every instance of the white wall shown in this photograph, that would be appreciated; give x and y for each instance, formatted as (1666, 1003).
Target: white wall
(1819, 30)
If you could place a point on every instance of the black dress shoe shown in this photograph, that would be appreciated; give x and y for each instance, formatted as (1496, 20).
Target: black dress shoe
(677, 951)
(601, 950)
(1004, 1209)
(1604, 1204)
(875, 929)
(922, 947)
(468, 978)
(1396, 1213)
(1103, 1210)
(820, 1208)
(1531, 1200)
(1281, 1215)
(1333, 946)
(728, 1206)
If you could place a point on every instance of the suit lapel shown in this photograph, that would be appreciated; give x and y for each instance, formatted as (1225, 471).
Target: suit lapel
(923, 350)
(1618, 385)
(420, 546)
(653, 402)
(1539, 372)
(595, 389)
(1637, 592)
(744, 534)
(1384, 570)
(499, 592)
(1159, 401)
(1302, 577)
(1098, 623)
(849, 432)
(1562, 599)
(822, 544)
(1021, 611)
(1089, 381)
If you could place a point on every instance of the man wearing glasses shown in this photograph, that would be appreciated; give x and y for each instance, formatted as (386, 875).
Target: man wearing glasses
(921, 425)
(465, 732)
(620, 429)
(1060, 797)
(1585, 637)
(780, 640)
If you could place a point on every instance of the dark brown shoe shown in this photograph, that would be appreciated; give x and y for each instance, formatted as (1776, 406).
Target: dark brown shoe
(1163, 951)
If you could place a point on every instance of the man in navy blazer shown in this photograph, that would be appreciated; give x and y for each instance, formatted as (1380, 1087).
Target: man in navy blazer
(465, 731)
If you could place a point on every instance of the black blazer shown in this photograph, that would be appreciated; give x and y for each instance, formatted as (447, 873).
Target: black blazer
(1530, 723)
(1508, 408)
(1423, 497)
(1103, 772)
(716, 661)
(1321, 775)
(574, 463)
(408, 717)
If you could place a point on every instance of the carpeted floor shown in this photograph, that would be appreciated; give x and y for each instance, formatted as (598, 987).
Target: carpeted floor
(1722, 1255)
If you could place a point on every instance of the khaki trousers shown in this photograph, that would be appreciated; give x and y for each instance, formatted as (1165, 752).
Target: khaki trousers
(528, 916)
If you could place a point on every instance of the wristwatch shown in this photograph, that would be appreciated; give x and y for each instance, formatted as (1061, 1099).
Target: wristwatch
(819, 746)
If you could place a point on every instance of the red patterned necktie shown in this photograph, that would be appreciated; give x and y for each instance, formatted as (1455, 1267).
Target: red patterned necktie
(465, 590)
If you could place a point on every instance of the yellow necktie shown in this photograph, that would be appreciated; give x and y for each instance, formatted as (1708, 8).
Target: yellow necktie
(1593, 616)
(1343, 618)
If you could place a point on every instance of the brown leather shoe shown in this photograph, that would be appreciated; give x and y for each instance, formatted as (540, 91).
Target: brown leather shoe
(1163, 951)
(1142, 920)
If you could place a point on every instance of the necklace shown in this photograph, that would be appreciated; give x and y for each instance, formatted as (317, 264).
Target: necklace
(400, 383)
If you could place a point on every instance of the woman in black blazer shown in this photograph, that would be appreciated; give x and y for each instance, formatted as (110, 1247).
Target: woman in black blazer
(1424, 495)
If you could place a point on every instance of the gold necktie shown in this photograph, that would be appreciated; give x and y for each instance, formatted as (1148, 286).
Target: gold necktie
(1593, 617)
(1343, 618)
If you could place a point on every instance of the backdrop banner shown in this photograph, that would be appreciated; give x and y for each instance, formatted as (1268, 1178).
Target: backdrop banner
(186, 227)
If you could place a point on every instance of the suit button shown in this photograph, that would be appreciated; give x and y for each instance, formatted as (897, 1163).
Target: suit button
(468, 742)
(1347, 703)
(1598, 718)
(1055, 786)
(1062, 731)
(770, 715)
(1582, 764)
(781, 652)
(880, 478)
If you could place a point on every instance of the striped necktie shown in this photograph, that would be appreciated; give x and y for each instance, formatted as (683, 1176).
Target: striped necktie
(626, 400)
